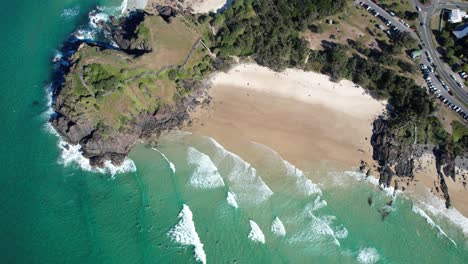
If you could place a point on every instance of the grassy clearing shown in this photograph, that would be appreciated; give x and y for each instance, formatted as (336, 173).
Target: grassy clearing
(399, 7)
(111, 88)
(353, 23)
(171, 42)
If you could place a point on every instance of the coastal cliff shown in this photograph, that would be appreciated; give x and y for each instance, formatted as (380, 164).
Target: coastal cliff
(108, 97)
(396, 148)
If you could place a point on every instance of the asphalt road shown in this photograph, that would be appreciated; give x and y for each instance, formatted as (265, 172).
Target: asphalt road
(443, 69)
(424, 37)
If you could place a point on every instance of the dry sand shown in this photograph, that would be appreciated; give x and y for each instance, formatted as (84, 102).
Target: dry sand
(426, 178)
(304, 117)
(301, 115)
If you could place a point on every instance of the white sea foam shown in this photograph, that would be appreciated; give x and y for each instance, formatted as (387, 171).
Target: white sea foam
(436, 206)
(277, 227)
(96, 17)
(124, 6)
(341, 232)
(318, 229)
(319, 203)
(256, 234)
(132, 5)
(231, 199)
(431, 222)
(206, 174)
(368, 255)
(390, 191)
(173, 168)
(304, 185)
(69, 13)
(72, 154)
(84, 34)
(185, 233)
(242, 177)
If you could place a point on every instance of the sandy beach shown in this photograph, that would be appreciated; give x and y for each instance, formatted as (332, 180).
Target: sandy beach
(301, 115)
(426, 179)
(306, 118)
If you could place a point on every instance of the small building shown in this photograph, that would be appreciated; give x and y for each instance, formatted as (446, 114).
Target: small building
(461, 31)
(416, 54)
(456, 15)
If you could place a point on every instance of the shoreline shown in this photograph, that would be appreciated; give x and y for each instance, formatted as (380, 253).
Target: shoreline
(304, 128)
(306, 118)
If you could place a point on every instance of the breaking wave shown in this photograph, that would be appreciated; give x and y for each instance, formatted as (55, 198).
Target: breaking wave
(185, 233)
(277, 227)
(368, 255)
(319, 203)
(429, 220)
(256, 234)
(173, 168)
(304, 185)
(341, 232)
(206, 174)
(231, 199)
(389, 191)
(317, 228)
(72, 154)
(242, 177)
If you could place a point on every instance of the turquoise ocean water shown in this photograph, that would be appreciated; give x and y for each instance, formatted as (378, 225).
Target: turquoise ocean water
(190, 199)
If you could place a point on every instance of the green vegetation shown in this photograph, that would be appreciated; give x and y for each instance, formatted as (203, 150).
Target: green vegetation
(269, 29)
(455, 50)
(270, 32)
(110, 88)
(401, 8)
(460, 132)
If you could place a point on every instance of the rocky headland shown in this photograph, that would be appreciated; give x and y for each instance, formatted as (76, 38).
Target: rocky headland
(106, 97)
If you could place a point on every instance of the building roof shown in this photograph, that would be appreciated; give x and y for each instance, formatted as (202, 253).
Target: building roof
(457, 15)
(461, 31)
(416, 53)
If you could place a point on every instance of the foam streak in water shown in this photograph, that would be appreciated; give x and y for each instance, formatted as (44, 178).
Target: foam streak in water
(242, 177)
(436, 206)
(277, 227)
(173, 168)
(206, 174)
(185, 233)
(231, 199)
(429, 220)
(256, 234)
(304, 185)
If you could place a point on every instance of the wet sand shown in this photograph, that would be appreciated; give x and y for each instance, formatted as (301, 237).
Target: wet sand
(301, 115)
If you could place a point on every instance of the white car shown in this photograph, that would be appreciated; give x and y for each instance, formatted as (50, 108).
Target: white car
(418, 9)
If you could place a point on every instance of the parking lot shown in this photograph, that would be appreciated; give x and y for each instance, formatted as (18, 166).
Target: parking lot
(435, 84)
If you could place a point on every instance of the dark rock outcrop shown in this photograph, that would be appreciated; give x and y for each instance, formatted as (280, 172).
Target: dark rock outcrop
(166, 12)
(123, 32)
(100, 143)
(387, 151)
(392, 153)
